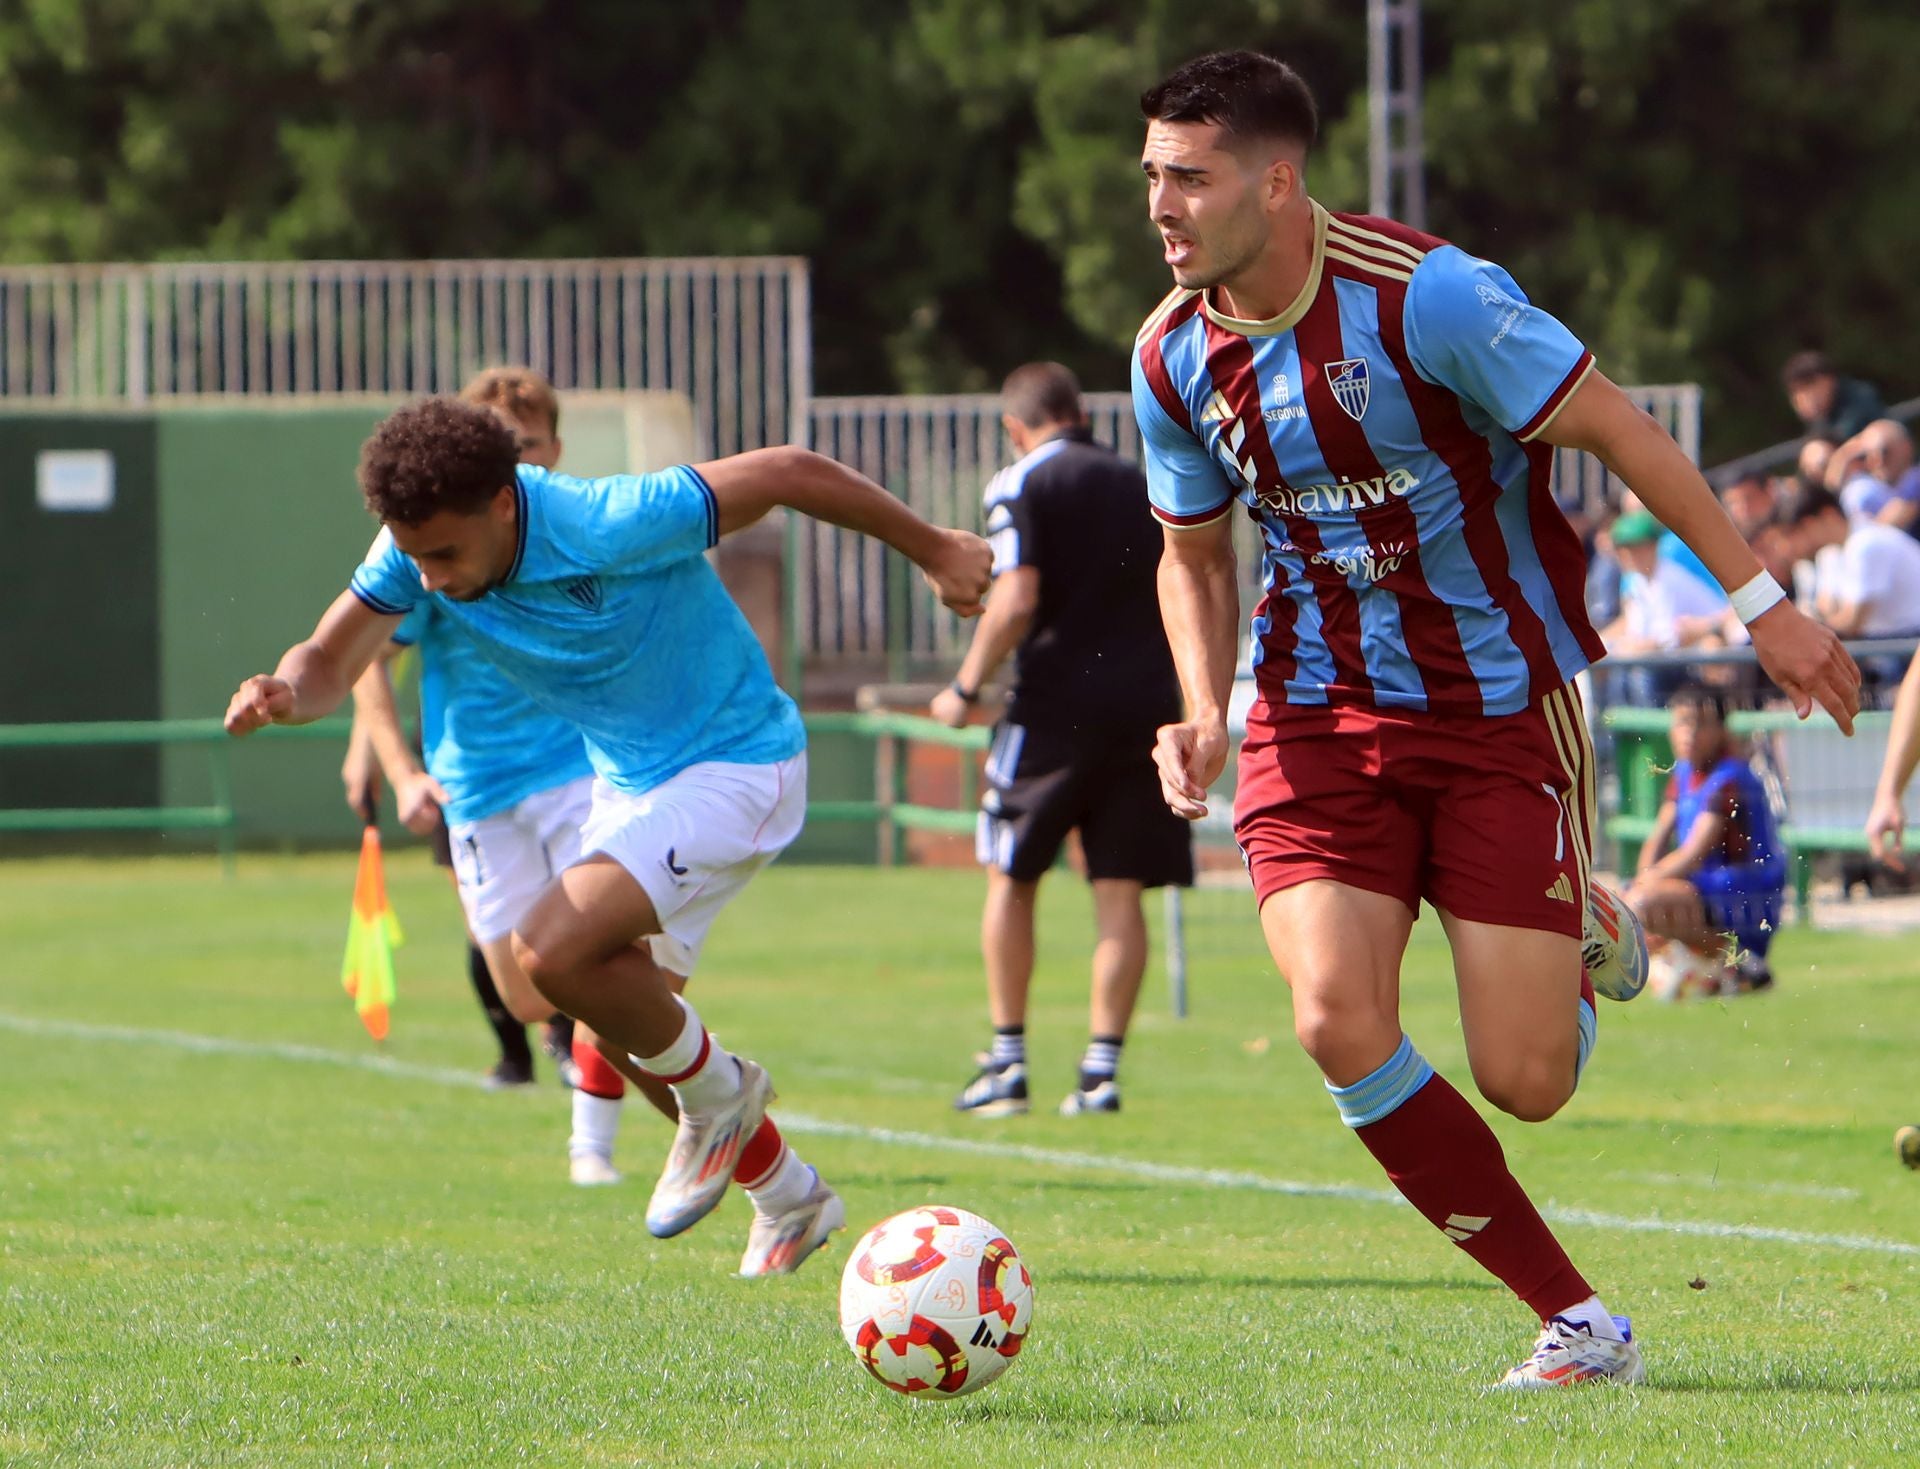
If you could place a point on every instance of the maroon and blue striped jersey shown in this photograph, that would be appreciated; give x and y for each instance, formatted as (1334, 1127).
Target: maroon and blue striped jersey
(1383, 431)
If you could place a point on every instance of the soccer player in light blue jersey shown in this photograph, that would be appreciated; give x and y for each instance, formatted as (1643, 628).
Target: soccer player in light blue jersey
(595, 598)
(506, 788)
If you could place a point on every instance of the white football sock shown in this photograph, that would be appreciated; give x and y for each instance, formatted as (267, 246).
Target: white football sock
(701, 1074)
(787, 1189)
(596, 1123)
(1594, 1316)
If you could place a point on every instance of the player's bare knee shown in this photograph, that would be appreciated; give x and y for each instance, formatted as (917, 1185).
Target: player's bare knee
(1340, 1034)
(1531, 1090)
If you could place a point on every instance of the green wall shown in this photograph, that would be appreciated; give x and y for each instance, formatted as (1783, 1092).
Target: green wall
(77, 628)
(260, 527)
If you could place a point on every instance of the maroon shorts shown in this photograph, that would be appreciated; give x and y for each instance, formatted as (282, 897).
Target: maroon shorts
(1491, 819)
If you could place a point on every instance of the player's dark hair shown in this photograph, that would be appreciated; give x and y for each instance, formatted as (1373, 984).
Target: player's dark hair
(1804, 367)
(1042, 393)
(434, 455)
(1810, 504)
(1242, 92)
(1691, 695)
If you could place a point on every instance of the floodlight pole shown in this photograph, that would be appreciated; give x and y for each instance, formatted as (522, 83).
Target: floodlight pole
(1397, 186)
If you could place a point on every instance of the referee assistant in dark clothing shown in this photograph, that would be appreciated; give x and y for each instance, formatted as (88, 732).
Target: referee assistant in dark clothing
(1076, 552)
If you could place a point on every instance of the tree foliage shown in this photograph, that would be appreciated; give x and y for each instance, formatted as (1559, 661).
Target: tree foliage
(1697, 186)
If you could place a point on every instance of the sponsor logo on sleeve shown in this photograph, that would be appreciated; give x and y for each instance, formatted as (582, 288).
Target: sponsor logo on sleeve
(1510, 311)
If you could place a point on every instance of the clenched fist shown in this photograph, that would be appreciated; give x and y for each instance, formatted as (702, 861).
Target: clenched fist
(260, 701)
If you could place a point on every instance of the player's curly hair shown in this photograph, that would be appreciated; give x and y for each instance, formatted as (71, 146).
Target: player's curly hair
(437, 454)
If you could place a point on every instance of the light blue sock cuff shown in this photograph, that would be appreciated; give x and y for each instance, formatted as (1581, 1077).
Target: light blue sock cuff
(1589, 1034)
(1385, 1091)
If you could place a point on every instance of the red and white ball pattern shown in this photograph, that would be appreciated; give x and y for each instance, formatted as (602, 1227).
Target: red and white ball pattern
(935, 1302)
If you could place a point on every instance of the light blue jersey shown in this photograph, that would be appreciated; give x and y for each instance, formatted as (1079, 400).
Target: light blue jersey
(611, 618)
(488, 744)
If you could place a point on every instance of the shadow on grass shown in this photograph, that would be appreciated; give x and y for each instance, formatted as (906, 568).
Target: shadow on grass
(1036, 1186)
(844, 1180)
(1069, 1413)
(1829, 1381)
(1192, 1279)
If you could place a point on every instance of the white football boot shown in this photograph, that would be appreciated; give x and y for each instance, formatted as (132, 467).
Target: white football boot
(778, 1244)
(592, 1170)
(706, 1150)
(1567, 1355)
(1613, 946)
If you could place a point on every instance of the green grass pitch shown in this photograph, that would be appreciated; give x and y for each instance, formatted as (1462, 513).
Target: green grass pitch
(226, 1240)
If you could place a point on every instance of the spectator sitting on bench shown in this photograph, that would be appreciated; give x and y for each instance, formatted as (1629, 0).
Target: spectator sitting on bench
(1727, 868)
(1663, 607)
(1873, 473)
(1866, 577)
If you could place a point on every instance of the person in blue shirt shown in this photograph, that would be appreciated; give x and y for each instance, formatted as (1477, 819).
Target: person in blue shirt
(1713, 868)
(504, 790)
(595, 598)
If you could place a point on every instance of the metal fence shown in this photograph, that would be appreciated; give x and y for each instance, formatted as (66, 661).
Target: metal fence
(852, 600)
(734, 335)
(851, 597)
(1582, 482)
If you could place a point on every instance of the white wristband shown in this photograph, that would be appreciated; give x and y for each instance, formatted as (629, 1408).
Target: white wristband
(1756, 597)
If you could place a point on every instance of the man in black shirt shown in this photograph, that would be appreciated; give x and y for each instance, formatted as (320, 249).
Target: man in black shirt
(1076, 552)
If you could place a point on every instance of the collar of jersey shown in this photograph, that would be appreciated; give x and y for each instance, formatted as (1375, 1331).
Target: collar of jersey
(1274, 325)
(520, 527)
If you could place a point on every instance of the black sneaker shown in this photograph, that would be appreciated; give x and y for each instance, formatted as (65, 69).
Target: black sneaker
(1102, 1096)
(1752, 974)
(507, 1074)
(995, 1092)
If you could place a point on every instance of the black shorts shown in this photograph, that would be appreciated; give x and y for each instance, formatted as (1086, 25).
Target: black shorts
(442, 844)
(1043, 782)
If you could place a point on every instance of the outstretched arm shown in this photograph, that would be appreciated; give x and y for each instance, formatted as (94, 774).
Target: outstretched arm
(746, 486)
(315, 676)
(1805, 659)
(1200, 604)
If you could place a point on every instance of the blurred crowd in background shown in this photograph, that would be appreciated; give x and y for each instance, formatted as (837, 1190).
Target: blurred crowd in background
(1839, 530)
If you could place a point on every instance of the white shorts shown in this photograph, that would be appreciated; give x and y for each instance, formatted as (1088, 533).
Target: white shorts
(503, 862)
(693, 842)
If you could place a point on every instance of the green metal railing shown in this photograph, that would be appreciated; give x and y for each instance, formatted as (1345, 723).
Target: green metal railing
(1643, 756)
(218, 817)
(890, 811)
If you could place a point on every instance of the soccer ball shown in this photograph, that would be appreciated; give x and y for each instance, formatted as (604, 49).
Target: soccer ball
(1906, 1142)
(935, 1302)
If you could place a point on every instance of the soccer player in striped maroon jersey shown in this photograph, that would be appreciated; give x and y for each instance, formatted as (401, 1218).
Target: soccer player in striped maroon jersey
(1384, 405)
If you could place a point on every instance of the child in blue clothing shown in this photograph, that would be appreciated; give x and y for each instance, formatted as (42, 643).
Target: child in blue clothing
(1713, 869)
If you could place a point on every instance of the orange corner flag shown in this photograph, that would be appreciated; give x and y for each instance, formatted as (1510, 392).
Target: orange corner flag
(373, 933)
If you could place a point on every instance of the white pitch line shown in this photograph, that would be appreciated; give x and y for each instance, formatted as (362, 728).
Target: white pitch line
(214, 1045)
(1221, 1178)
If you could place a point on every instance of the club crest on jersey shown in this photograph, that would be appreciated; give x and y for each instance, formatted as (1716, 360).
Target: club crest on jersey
(1352, 388)
(584, 593)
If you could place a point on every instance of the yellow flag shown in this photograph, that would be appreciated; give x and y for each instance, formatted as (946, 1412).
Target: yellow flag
(373, 933)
